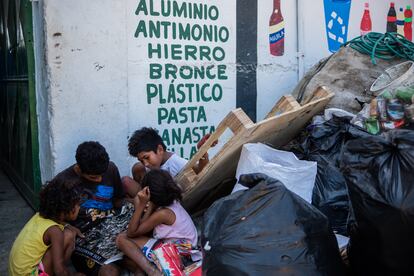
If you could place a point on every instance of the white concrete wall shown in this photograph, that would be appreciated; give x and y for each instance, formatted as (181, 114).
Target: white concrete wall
(86, 60)
(158, 109)
(97, 71)
(42, 95)
(276, 75)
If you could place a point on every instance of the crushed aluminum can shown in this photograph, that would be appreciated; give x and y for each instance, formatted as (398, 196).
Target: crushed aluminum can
(395, 110)
(392, 125)
(382, 109)
(409, 113)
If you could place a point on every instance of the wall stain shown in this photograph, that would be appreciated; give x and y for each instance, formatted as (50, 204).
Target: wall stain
(98, 66)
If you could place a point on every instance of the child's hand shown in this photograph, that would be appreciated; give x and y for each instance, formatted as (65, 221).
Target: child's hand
(144, 195)
(75, 230)
(204, 139)
(149, 207)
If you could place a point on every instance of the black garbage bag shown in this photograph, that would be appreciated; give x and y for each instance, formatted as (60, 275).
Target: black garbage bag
(330, 196)
(380, 175)
(267, 230)
(324, 144)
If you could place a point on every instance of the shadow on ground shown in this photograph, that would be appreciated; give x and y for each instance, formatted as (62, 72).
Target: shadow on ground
(14, 213)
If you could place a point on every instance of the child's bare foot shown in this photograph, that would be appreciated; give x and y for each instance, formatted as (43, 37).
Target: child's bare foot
(155, 272)
(152, 272)
(148, 269)
(139, 273)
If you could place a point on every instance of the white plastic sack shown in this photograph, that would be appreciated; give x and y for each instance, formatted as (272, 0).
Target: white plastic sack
(297, 175)
(329, 113)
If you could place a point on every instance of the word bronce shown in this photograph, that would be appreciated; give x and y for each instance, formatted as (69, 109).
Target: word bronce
(187, 72)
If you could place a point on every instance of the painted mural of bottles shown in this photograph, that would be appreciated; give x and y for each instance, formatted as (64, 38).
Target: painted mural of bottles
(336, 22)
(392, 19)
(408, 23)
(400, 21)
(366, 23)
(276, 31)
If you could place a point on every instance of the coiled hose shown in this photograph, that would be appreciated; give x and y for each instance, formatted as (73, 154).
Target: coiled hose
(383, 46)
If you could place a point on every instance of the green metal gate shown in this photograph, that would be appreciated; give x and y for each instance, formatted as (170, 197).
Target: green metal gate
(19, 147)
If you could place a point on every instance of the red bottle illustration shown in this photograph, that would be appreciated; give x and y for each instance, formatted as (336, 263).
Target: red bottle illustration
(276, 31)
(366, 23)
(392, 19)
(408, 21)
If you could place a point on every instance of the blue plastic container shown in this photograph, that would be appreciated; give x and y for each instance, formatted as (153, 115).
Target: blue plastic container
(336, 22)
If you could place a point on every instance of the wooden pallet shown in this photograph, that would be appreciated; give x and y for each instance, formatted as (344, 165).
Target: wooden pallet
(286, 119)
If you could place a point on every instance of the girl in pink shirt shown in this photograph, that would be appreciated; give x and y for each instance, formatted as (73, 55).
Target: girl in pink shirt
(158, 218)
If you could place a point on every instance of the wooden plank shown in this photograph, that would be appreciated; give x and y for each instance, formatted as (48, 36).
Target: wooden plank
(237, 121)
(319, 93)
(277, 130)
(286, 103)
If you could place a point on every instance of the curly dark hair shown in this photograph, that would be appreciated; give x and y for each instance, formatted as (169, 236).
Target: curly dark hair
(92, 158)
(144, 139)
(162, 187)
(59, 196)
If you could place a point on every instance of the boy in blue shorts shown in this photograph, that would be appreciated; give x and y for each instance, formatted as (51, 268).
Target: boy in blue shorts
(99, 179)
(101, 188)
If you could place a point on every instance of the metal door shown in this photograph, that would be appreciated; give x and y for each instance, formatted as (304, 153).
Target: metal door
(19, 149)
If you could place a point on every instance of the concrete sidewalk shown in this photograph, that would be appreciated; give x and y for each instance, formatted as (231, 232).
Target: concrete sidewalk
(14, 213)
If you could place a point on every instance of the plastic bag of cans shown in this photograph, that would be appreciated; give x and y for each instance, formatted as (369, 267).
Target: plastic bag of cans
(387, 111)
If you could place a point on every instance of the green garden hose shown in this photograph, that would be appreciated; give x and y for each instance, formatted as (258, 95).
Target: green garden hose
(383, 46)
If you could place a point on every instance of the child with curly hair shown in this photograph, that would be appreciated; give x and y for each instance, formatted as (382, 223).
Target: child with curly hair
(158, 211)
(44, 245)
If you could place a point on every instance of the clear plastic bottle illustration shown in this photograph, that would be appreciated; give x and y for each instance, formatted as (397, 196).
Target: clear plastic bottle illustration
(400, 21)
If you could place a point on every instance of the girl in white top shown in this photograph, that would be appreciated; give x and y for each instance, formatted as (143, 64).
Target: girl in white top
(157, 211)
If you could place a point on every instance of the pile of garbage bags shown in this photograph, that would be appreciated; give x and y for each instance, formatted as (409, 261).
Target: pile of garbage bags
(345, 177)
(267, 230)
(325, 143)
(364, 185)
(364, 189)
(379, 172)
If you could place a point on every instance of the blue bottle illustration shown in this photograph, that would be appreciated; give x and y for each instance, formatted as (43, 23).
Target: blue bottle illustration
(336, 22)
